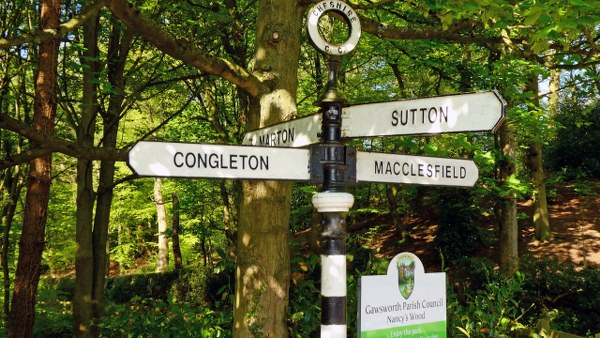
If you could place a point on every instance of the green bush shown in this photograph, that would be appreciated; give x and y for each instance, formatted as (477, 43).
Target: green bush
(574, 146)
(305, 303)
(567, 296)
(486, 309)
(482, 301)
(191, 286)
(153, 285)
(458, 235)
(159, 318)
(54, 309)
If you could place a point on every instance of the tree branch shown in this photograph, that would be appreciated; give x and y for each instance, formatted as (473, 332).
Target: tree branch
(48, 34)
(127, 178)
(186, 53)
(51, 143)
(453, 34)
(24, 157)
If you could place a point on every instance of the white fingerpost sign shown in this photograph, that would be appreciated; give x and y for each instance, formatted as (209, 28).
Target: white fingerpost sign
(406, 302)
(169, 159)
(409, 169)
(295, 133)
(483, 111)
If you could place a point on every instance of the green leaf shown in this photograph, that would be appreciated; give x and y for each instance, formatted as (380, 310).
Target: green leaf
(540, 46)
(533, 15)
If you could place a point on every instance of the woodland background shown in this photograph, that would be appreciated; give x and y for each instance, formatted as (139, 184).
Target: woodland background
(89, 249)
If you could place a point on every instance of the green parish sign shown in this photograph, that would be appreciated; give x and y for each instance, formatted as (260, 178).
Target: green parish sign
(406, 302)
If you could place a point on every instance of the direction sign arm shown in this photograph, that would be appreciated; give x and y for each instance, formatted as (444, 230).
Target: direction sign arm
(467, 112)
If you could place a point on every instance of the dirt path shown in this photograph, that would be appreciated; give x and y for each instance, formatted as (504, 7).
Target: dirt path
(575, 223)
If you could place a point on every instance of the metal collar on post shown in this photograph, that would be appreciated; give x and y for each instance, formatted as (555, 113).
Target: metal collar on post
(333, 201)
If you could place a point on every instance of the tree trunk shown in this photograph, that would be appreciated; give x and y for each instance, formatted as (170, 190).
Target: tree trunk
(175, 233)
(118, 50)
(84, 260)
(263, 259)
(10, 190)
(263, 256)
(162, 265)
(392, 197)
(509, 257)
(541, 218)
(12, 184)
(22, 314)
(92, 255)
(554, 95)
(228, 221)
(100, 238)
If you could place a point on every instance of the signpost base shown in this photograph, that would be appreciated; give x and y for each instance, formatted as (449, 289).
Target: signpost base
(332, 206)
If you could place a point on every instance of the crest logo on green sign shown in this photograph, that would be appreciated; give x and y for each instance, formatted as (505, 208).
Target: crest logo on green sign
(406, 275)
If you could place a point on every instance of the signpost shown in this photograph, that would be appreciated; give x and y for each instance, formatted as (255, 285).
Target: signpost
(332, 202)
(407, 169)
(337, 166)
(169, 159)
(482, 111)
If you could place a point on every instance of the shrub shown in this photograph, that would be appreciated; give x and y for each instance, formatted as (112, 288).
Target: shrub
(53, 309)
(305, 302)
(567, 296)
(121, 289)
(482, 301)
(489, 309)
(159, 318)
(575, 144)
(458, 235)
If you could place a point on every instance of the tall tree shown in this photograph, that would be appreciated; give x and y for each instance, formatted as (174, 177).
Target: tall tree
(161, 218)
(509, 230)
(175, 228)
(262, 277)
(22, 313)
(263, 268)
(118, 49)
(13, 178)
(541, 216)
(86, 196)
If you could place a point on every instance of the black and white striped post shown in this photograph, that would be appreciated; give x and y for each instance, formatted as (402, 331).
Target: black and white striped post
(333, 202)
(332, 206)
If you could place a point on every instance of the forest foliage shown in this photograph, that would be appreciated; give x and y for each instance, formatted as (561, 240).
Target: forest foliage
(189, 75)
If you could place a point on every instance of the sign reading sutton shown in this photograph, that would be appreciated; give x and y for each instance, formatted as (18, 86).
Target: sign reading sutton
(469, 112)
(406, 302)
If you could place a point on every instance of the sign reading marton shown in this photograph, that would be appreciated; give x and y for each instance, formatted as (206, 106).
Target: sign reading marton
(406, 302)
(295, 133)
